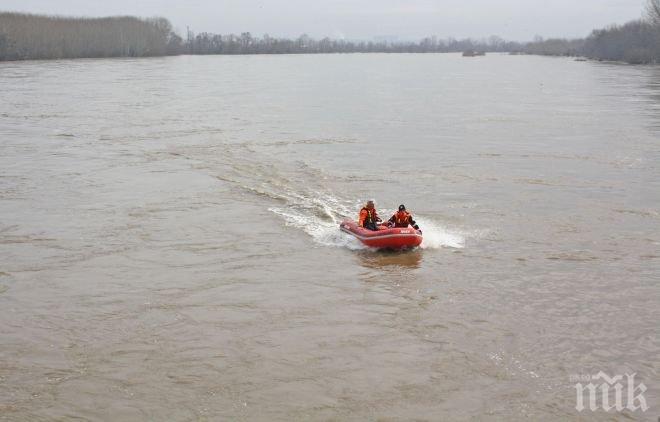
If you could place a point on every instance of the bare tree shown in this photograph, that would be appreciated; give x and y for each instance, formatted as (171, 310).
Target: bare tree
(24, 36)
(653, 11)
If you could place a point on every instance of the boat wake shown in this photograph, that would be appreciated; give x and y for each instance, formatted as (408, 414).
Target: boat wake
(319, 215)
(326, 231)
(323, 232)
(437, 236)
(301, 197)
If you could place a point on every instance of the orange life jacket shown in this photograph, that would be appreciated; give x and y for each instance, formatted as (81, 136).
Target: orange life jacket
(367, 216)
(401, 219)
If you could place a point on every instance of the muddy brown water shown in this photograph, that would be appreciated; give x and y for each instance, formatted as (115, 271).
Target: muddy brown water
(169, 243)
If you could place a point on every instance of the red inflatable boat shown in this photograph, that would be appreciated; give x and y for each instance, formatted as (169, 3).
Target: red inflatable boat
(385, 237)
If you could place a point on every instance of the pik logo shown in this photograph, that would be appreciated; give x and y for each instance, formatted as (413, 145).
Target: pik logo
(610, 393)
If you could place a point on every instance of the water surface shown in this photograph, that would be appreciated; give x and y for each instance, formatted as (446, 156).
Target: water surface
(169, 243)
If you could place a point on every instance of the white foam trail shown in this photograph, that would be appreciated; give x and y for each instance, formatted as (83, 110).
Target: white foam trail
(327, 233)
(323, 232)
(437, 236)
(309, 207)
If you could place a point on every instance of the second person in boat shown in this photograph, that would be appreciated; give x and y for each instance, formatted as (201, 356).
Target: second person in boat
(402, 218)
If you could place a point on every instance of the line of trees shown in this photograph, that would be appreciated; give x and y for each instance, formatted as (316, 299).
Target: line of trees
(554, 47)
(26, 36)
(207, 43)
(636, 42)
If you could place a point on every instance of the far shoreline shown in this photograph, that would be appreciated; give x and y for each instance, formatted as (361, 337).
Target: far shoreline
(498, 53)
(41, 37)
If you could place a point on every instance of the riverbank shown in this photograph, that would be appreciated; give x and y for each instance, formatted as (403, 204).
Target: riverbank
(636, 42)
(38, 37)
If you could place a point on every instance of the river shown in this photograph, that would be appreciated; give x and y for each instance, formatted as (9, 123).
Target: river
(169, 243)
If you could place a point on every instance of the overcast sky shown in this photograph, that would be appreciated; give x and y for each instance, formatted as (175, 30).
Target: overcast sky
(362, 19)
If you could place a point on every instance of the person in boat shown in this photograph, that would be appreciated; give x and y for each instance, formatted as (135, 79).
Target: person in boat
(402, 218)
(369, 217)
